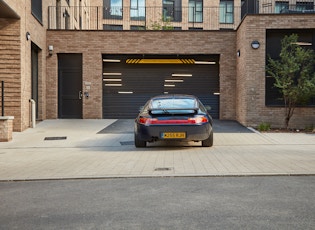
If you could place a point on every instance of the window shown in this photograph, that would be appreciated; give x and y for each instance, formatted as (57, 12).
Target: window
(137, 28)
(112, 27)
(66, 15)
(113, 9)
(195, 11)
(137, 10)
(281, 7)
(226, 11)
(172, 10)
(302, 6)
(37, 9)
(273, 97)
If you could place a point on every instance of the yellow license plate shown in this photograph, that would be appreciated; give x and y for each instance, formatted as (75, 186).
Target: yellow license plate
(180, 135)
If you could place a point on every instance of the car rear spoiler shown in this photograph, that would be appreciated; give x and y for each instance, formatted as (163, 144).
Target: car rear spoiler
(172, 109)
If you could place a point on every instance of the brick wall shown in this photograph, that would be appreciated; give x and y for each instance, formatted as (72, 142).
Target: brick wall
(15, 60)
(6, 127)
(10, 68)
(250, 83)
(92, 44)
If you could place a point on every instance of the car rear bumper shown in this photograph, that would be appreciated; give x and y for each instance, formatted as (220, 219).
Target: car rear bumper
(193, 132)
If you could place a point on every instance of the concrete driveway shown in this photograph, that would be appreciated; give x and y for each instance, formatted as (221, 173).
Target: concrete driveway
(64, 149)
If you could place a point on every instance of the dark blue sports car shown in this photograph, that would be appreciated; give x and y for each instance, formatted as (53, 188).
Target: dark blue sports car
(173, 117)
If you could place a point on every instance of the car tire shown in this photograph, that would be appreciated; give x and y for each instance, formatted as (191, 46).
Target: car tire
(209, 141)
(139, 143)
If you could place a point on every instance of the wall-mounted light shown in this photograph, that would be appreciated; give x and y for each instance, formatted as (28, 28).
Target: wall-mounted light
(238, 53)
(255, 44)
(50, 49)
(28, 36)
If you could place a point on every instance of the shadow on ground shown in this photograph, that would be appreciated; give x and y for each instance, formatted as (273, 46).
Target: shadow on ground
(219, 126)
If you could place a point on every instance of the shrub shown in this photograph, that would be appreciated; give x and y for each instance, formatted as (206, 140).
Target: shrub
(264, 126)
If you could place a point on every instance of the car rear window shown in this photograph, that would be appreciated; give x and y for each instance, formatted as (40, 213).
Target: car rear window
(171, 105)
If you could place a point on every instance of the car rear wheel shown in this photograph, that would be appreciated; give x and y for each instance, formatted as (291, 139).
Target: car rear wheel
(139, 143)
(208, 142)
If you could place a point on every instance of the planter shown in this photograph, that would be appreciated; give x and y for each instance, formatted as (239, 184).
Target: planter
(6, 128)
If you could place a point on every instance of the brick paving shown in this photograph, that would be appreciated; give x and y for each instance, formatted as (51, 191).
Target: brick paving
(86, 154)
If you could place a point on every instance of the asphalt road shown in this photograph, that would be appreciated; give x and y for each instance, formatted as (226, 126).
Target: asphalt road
(160, 203)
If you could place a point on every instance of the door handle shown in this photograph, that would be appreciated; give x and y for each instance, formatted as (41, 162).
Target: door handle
(80, 94)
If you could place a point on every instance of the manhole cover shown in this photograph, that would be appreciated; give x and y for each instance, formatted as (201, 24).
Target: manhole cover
(163, 169)
(54, 138)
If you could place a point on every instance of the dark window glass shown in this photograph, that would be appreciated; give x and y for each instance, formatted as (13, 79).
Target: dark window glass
(137, 27)
(281, 7)
(112, 27)
(113, 9)
(273, 96)
(304, 6)
(172, 10)
(37, 9)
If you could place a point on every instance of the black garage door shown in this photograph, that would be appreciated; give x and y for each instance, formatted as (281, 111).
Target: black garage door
(130, 80)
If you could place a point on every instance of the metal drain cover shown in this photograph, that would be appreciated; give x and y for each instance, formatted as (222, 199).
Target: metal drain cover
(54, 138)
(163, 169)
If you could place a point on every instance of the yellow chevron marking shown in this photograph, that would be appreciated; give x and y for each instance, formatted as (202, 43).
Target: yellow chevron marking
(160, 61)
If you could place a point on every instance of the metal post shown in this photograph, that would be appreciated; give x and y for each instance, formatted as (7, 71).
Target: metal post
(2, 98)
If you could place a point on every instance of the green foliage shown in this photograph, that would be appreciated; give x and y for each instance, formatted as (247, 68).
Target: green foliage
(162, 24)
(294, 74)
(264, 127)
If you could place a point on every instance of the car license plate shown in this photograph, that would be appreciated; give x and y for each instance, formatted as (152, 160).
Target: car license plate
(180, 135)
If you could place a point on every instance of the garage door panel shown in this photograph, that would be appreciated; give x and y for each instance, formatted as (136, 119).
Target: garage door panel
(121, 106)
(139, 82)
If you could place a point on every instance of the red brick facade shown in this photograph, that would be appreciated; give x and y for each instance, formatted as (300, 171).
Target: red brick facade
(242, 78)
(250, 84)
(96, 43)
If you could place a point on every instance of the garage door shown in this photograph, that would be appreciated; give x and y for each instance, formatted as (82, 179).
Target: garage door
(130, 80)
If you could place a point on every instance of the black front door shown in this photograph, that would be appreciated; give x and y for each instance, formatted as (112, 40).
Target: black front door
(70, 86)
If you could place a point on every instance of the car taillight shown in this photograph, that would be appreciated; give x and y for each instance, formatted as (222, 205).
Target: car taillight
(154, 121)
(198, 120)
(146, 120)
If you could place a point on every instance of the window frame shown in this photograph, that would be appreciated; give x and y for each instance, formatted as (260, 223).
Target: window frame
(175, 15)
(196, 13)
(37, 10)
(280, 6)
(224, 6)
(140, 10)
(108, 10)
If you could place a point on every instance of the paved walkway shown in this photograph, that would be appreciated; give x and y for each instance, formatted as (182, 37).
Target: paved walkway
(84, 153)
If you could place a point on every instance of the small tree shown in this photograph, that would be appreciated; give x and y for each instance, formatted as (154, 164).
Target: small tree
(294, 74)
(162, 24)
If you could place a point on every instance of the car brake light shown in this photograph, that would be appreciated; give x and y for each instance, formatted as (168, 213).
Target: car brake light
(146, 120)
(198, 120)
(154, 121)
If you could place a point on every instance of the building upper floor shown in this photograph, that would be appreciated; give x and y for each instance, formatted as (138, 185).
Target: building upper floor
(167, 14)
(148, 14)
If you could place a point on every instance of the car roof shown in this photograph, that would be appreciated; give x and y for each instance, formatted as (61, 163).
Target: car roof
(174, 96)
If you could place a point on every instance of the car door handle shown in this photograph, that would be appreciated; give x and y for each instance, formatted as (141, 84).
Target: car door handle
(80, 94)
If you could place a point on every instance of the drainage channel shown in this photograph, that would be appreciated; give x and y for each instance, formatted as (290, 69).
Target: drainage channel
(54, 138)
(164, 169)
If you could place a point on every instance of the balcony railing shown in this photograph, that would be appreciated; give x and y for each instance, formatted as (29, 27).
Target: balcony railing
(157, 18)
